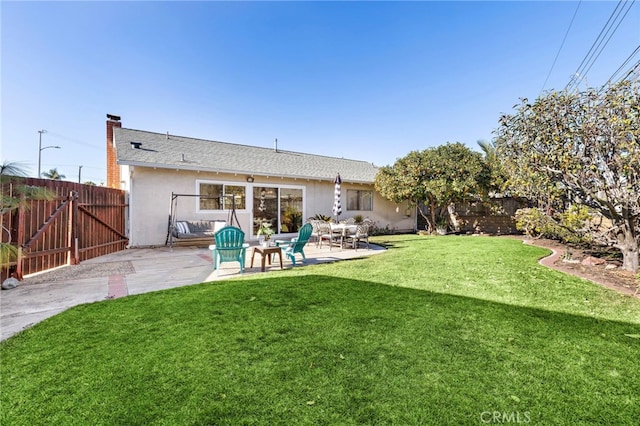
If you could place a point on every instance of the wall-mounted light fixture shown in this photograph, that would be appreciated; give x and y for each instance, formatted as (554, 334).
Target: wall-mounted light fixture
(249, 179)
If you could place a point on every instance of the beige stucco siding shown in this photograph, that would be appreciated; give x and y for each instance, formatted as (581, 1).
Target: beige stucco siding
(151, 188)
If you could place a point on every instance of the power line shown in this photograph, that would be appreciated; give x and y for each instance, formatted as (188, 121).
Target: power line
(579, 70)
(597, 47)
(83, 166)
(613, 76)
(561, 45)
(607, 42)
(75, 141)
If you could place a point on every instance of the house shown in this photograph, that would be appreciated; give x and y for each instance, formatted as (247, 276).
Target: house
(194, 179)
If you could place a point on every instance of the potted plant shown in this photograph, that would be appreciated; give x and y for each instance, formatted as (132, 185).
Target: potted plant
(264, 233)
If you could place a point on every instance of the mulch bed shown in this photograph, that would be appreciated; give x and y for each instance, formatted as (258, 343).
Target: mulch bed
(597, 267)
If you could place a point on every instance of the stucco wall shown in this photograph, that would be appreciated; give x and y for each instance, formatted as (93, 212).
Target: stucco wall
(150, 202)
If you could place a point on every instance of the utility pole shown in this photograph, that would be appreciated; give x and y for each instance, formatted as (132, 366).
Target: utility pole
(41, 148)
(79, 173)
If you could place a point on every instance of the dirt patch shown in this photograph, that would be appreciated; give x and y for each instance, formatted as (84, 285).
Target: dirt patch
(76, 272)
(596, 267)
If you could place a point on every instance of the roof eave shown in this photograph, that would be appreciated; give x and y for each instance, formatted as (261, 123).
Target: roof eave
(233, 172)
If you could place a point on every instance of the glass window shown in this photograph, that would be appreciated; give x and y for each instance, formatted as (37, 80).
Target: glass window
(235, 194)
(265, 207)
(290, 210)
(359, 200)
(217, 196)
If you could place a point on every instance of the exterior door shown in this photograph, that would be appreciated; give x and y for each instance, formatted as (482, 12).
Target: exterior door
(265, 207)
(290, 210)
(280, 207)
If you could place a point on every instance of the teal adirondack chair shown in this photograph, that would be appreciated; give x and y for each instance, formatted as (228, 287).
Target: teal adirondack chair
(229, 247)
(296, 245)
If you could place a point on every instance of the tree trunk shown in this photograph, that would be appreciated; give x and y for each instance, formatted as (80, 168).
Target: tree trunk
(453, 217)
(628, 246)
(432, 208)
(426, 219)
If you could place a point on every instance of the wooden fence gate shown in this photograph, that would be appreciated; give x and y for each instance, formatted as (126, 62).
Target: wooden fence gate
(80, 223)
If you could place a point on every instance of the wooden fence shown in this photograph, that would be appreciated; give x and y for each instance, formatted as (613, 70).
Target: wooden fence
(80, 223)
(495, 216)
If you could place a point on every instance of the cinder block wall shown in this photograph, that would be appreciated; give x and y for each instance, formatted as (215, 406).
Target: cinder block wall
(494, 217)
(495, 225)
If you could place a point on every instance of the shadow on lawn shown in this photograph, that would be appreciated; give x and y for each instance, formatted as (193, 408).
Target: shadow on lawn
(306, 349)
(379, 296)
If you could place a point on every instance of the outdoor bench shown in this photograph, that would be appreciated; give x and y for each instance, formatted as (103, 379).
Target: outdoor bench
(192, 232)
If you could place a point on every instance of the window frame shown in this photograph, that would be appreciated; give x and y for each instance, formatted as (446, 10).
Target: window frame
(359, 198)
(224, 185)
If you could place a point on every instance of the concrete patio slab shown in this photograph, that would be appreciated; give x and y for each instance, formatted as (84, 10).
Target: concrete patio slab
(130, 272)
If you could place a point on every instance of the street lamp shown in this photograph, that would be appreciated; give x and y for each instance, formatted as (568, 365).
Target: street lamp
(41, 148)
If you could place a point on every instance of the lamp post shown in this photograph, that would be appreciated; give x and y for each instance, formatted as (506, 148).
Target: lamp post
(41, 148)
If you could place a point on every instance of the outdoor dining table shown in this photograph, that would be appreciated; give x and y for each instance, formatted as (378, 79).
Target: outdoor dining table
(343, 229)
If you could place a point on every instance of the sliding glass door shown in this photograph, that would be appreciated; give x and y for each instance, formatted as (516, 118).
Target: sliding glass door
(280, 206)
(290, 210)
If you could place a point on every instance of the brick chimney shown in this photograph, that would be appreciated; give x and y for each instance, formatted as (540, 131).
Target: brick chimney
(113, 171)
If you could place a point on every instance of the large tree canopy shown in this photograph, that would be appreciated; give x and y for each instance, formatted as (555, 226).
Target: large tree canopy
(584, 148)
(435, 176)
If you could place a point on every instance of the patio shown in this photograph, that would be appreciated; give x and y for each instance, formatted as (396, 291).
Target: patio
(129, 272)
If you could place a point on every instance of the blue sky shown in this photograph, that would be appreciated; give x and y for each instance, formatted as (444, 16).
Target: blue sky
(362, 80)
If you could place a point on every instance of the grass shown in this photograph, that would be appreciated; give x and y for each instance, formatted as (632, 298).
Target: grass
(438, 330)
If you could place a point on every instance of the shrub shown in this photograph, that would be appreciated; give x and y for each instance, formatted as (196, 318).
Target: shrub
(320, 216)
(533, 222)
(568, 227)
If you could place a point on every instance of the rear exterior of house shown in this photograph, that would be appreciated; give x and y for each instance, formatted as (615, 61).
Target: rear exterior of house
(181, 178)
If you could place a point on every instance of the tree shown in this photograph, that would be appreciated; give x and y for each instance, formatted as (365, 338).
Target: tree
(53, 175)
(580, 148)
(14, 194)
(435, 177)
(497, 176)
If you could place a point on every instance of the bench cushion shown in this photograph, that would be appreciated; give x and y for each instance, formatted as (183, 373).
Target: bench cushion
(197, 228)
(182, 228)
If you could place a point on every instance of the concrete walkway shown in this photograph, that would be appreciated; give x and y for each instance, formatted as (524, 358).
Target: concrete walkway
(129, 272)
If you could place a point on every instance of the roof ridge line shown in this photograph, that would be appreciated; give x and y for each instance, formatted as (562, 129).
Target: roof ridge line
(244, 145)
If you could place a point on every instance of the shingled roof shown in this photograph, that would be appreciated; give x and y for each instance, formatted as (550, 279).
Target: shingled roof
(148, 149)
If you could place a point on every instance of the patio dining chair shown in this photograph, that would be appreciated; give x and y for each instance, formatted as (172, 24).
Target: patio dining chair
(326, 234)
(229, 247)
(296, 245)
(361, 234)
(315, 232)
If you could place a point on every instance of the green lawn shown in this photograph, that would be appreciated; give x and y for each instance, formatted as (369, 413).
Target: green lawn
(438, 330)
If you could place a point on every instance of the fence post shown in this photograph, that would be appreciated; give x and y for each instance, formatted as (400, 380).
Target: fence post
(20, 235)
(72, 230)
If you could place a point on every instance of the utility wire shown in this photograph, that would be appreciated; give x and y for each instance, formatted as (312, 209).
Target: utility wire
(589, 58)
(75, 141)
(573, 77)
(607, 42)
(635, 69)
(579, 70)
(561, 45)
(613, 76)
